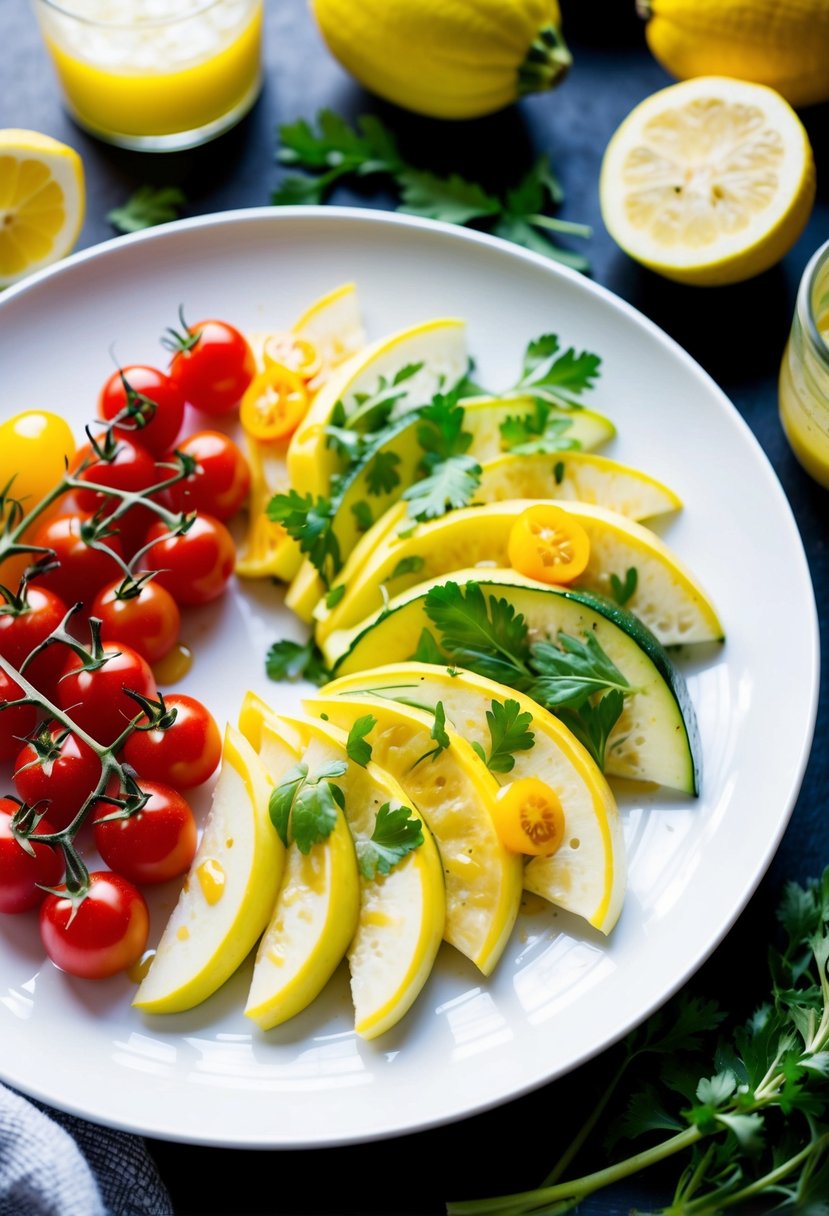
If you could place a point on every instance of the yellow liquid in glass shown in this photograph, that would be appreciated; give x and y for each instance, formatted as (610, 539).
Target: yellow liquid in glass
(172, 82)
(804, 404)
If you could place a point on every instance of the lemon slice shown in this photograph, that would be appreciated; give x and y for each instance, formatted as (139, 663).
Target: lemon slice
(402, 913)
(436, 347)
(42, 202)
(316, 912)
(229, 893)
(587, 875)
(456, 794)
(664, 594)
(709, 181)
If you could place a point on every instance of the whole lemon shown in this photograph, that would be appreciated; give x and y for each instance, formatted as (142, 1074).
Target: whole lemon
(447, 58)
(780, 43)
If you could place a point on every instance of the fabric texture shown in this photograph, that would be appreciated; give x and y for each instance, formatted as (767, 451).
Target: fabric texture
(55, 1164)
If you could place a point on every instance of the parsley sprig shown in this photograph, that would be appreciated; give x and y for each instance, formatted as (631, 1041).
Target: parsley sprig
(335, 152)
(303, 808)
(483, 633)
(397, 831)
(508, 733)
(741, 1103)
(146, 207)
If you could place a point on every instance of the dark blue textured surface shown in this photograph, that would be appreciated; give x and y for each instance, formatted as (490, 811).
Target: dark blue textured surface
(736, 333)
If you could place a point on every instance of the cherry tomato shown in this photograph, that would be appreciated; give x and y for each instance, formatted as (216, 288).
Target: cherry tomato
(548, 544)
(131, 468)
(103, 934)
(298, 354)
(221, 483)
(20, 871)
(196, 566)
(146, 617)
(15, 723)
(185, 754)
(529, 818)
(97, 700)
(155, 429)
(274, 404)
(34, 448)
(152, 845)
(214, 367)
(83, 569)
(64, 777)
(25, 626)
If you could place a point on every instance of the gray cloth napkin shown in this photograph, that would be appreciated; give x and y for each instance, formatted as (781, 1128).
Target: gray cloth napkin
(54, 1164)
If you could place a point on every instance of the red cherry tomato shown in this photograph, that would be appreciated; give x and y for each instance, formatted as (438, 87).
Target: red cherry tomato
(185, 754)
(24, 627)
(152, 845)
(20, 872)
(213, 366)
(64, 778)
(155, 429)
(131, 468)
(221, 483)
(195, 566)
(15, 723)
(83, 569)
(97, 700)
(146, 617)
(103, 934)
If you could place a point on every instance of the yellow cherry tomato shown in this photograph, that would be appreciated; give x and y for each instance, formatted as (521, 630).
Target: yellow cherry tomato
(529, 817)
(34, 448)
(548, 544)
(274, 404)
(298, 354)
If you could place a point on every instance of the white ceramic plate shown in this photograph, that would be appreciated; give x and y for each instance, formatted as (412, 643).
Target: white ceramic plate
(561, 993)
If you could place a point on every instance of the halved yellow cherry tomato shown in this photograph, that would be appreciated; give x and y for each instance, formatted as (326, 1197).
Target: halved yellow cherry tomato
(529, 817)
(548, 544)
(298, 354)
(274, 404)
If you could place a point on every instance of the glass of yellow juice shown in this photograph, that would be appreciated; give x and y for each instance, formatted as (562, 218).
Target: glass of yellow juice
(155, 75)
(804, 373)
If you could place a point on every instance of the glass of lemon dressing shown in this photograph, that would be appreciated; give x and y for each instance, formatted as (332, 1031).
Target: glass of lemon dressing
(155, 75)
(804, 373)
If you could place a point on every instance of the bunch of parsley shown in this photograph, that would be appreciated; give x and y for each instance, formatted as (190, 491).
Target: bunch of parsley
(335, 152)
(741, 1105)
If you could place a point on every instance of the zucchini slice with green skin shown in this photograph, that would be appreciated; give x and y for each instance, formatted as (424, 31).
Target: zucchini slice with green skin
(656, 738)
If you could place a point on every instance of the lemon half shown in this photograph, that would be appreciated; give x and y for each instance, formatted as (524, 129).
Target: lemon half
(709, 181)
(42, 202)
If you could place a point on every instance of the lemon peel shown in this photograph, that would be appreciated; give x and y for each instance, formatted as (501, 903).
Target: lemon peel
(42, 202)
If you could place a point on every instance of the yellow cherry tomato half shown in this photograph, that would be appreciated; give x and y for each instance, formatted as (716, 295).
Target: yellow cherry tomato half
(274, 404)
(298, 354)
(529, 817)
(34, 449)
(548, 544)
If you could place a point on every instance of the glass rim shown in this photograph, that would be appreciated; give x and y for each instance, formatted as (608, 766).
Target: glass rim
(65, 9)
(805, 302)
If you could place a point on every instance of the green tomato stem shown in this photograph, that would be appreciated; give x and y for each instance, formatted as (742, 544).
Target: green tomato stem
(546, 63)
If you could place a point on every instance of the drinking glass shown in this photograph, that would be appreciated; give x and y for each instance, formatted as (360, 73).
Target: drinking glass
(804, 373)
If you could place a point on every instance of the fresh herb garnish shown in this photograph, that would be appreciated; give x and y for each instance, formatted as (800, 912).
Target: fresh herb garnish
(288, 660)
(483, 633)
(146, 207)
(396, 833)
(381, 473)
(362, 515)
(304, 808)
(438, 733)
(336, 151)
(508, 734)
(552, 376)
(741, 1102)
(407, 565)
(357, 746)
(333, 597)
(622, 590)
(308, 521)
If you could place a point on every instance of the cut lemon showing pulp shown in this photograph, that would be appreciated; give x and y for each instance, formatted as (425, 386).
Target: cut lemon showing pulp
(42, 202)
(709, 181)
(456, 794)
(587, 874)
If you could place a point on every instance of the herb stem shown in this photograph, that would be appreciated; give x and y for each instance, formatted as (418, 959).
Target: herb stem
(569, 226)
(577, 1143)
